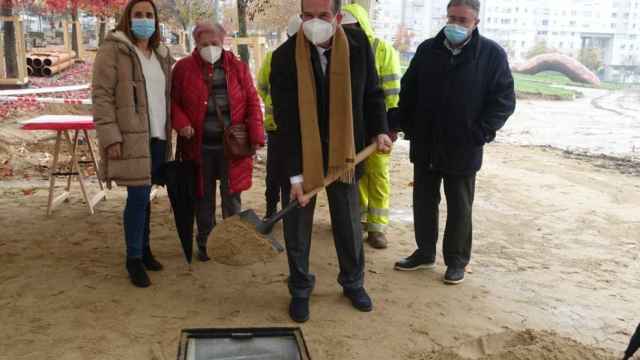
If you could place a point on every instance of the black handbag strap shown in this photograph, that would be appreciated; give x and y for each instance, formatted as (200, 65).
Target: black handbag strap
(212, 93)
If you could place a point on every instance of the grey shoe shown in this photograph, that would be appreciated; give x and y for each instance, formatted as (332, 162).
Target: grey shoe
(377, 240)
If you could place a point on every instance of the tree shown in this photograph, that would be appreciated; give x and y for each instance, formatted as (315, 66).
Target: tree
(103, 10)
(539, 48)
(591, 58)
(9, 35)
(247, 9)
(185, 13)
(272, 16)
(72, 8)
(243, 50)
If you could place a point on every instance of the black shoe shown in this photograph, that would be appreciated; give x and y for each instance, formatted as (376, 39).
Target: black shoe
(202, 254)
(149, 261)
(359, 299)
(137, 275)
(415, 262)
(299, 309)
(454, 276)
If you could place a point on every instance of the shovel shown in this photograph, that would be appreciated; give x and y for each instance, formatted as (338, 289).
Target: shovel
(634, 345)
(264, 227)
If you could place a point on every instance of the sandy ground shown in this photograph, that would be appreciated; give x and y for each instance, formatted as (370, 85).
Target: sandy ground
(556, 249)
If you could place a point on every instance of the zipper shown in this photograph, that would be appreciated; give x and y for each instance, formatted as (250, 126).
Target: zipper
(135, 97)
(134, 57)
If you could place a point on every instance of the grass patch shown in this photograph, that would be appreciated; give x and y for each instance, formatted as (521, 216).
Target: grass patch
(544, 85)
(556, 78)
(536, 89)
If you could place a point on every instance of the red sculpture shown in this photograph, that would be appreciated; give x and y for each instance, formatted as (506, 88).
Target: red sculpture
(564, 64)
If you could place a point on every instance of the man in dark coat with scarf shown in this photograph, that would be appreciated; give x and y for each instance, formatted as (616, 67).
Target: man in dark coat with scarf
(457, 92)
(328, 105)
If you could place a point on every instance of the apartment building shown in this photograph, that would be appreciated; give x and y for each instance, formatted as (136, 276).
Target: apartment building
(518, 25)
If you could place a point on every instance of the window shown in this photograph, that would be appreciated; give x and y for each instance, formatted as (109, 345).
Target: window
(545, 22)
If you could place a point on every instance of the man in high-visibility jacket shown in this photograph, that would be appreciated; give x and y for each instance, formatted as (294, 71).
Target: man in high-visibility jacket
(273, 186)
(375, 185)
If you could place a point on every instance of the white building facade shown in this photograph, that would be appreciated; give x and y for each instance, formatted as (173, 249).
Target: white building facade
(518, 25)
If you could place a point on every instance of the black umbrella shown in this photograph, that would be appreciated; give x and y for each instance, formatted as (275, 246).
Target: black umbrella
(634, 345)
(180, 178)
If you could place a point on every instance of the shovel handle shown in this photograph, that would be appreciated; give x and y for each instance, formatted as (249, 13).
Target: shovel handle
(360, 157)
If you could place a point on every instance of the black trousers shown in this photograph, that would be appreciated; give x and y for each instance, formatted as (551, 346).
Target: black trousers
(344, 206)
(274, 179)
(214, 167)
(459, 192)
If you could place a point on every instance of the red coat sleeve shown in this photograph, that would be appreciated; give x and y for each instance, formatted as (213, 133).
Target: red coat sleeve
(179, 118)
(254, 119)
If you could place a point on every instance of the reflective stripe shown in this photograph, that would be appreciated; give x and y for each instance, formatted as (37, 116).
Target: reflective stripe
(376, 227)
(379, 212)
(392, 77)
(388, 92)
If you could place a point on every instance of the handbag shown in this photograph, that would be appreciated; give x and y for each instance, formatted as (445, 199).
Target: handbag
(236, 142)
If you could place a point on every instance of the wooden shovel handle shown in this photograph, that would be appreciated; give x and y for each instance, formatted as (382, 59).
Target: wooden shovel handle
(265, 226)
(360, 157)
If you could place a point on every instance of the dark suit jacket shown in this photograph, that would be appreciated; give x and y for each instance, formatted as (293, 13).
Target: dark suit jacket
(369, 114)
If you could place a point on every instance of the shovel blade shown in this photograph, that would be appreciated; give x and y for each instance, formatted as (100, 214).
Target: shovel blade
(250, 216)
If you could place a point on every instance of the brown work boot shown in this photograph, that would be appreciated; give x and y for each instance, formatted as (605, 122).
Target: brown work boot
(377, 240)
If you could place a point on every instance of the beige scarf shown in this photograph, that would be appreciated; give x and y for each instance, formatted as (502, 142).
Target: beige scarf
(342, 150)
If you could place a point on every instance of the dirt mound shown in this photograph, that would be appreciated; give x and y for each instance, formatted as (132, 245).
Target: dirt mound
(523, 345)
(236, 243)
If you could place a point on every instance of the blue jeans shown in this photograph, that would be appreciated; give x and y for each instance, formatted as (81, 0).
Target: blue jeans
(137, 211)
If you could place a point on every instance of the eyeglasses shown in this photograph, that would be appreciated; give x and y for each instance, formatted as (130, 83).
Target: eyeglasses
(460, 20)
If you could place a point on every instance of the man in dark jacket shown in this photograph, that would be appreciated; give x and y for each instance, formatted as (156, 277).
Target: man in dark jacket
(320, 130)
(457, 92)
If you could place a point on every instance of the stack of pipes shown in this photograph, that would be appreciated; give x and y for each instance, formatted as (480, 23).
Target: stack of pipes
(49, 63)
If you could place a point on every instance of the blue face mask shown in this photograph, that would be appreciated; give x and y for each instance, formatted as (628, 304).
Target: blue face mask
(143, 29)
(456, 34)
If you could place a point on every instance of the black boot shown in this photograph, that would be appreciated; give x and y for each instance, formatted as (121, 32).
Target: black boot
(202, 253)
(137, 275)
(149, 261)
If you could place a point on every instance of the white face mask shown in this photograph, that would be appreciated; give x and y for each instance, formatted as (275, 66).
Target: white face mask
(211, 53)
(318, 31)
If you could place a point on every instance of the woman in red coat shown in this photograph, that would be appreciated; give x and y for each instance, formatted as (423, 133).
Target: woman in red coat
(211, 90)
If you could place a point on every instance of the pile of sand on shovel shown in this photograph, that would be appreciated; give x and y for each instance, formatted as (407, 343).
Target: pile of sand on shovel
(522, 345)
(237, 243)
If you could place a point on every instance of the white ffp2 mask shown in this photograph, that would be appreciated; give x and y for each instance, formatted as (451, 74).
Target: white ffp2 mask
(318, 31)
(211, 53)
